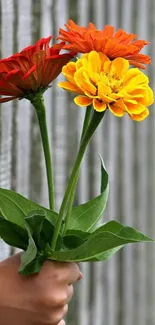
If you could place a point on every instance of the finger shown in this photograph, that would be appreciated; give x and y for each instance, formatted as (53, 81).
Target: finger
(65, 311)
(70, 291)
(62, 322)
(80, 276)
(74, 273)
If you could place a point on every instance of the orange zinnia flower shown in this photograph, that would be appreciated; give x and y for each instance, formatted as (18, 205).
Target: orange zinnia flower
(113, 44)
(31, 70)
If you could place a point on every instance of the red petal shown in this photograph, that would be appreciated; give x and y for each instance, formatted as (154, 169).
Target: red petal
(53, 68)
(29, 72)
(7, 99)
(15, 77)
(39, 60)
(10, 89)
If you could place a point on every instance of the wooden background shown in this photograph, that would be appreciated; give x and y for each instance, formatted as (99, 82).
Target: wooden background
(122, 290)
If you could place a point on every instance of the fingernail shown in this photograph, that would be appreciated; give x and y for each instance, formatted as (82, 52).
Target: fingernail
(80, 276)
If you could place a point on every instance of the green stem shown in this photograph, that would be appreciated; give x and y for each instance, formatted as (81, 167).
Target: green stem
(86, 120)
(38, 103)
(96, 119)
(72, 195)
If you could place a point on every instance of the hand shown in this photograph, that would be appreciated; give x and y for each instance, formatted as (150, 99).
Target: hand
(40, 299)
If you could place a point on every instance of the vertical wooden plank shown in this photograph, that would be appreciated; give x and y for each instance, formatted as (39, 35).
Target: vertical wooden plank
(142, 189)
(6, 109)
(35, 150)
(59, 111)
(99, 281)
(23, 118)
(83, 188)
(150, 256)
(128, 214)
(113, 153)
(128, 193)
(46, 30)
(83, 196)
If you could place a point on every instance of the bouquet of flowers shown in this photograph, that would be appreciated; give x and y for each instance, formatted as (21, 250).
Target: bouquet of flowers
(104, 82)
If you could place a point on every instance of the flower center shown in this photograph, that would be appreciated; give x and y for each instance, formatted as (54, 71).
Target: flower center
(114, 82)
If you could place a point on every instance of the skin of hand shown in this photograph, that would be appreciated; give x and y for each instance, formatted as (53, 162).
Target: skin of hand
(40, 299)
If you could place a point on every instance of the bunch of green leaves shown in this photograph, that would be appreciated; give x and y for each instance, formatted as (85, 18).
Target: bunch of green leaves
(30, 227)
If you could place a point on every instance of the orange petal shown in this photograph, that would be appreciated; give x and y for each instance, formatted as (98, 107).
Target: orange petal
(99, 106)
(82, 101)
(108, 31)
(134, 108)
(117, 108)
(140, 117)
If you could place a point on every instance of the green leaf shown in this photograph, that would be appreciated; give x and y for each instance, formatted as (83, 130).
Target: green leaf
(10, 209)
(72, 241)
(33, 258)
(105, 255)
(13, 234)
(31, 268)
(30, 254)
(122, 231)
(35, 220)
(110, 226)
(15, 207)
(99, 242)
(47, 231)
(85, 216)
(78, 233)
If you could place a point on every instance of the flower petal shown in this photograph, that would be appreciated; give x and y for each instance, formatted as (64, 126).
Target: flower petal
(140, 117)
(135, 108)
(99, 106)
(119, 67)
(113, 44)
(34, 68)
(68, 86)
(118, 108)
(7, 99)
(82, 101)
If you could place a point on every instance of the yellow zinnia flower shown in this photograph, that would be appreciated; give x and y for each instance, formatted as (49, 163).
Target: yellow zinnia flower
(108, 84)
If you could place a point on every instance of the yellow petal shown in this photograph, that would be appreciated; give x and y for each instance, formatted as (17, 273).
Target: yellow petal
(82, 80)
(105, 63)
(134, 108)
(143, 96)
(104, 93)
(99, 105)
(119, 67)
(94, 62)
(117, 108)
(103, 89)
(68, 71)
(134, 77)
(140, 117)
(150, 97)
(69, 68)
(82, 101)
(69, 86)
(94, 77)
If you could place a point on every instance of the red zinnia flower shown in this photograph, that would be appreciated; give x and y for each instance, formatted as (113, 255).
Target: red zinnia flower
(113, 44)
(31, 70)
